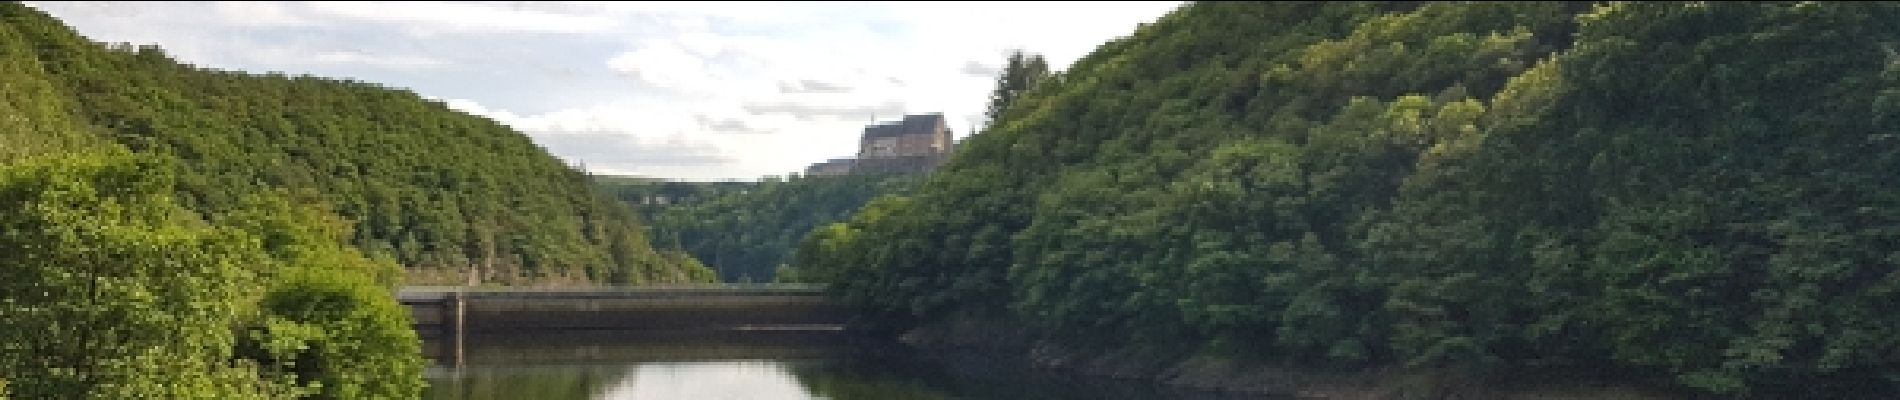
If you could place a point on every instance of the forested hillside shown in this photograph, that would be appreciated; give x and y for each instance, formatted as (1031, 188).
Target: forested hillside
(439, 190)
(1689, 194)
(171, 232)
(746, 231)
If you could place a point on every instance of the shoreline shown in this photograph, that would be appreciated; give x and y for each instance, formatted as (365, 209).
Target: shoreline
(995, 340)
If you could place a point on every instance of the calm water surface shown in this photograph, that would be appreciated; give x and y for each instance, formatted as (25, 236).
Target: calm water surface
(744, 365)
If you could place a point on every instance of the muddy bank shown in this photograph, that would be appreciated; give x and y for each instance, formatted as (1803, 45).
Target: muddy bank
(1006, 343)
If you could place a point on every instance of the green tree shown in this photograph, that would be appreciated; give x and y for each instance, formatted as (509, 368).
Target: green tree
(1021, 71)
(112, 290)
(326, 322)
(153, 300)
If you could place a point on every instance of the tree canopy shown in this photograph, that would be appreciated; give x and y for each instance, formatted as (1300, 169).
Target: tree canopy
(1021, 71)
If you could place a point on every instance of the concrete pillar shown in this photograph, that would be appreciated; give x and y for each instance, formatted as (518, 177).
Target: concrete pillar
(455, 310)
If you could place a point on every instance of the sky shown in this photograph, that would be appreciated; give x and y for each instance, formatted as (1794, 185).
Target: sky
(690, 91)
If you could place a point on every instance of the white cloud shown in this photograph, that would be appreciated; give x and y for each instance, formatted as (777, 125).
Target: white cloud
(978, 69)
(812, 110)
(394, 61)
(603, 118)
(261, 14)
(477, 109)
(428, 16)
(812, 86)
(311, 57)
(664, 65)
(686, 141)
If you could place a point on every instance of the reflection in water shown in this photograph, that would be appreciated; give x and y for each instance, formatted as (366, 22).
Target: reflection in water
(744, 365)
(524, 382)
(715, 380)
(862, 380)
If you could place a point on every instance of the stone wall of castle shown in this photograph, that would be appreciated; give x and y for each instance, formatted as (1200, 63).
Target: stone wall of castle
(917, 144)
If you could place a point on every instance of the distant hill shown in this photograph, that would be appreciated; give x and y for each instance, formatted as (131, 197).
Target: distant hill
(745, 230)
(641, 191)
(625, 179)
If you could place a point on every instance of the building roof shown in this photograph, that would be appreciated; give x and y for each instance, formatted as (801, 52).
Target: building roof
(883, 130)
(919, 124)
(922, 124)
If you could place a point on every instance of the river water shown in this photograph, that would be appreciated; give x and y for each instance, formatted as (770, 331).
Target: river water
(756, 365)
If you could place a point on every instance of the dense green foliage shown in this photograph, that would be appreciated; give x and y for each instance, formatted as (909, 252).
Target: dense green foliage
(114, 290)
(747, 231)
(111, 292)
(327, 322)
(1698, 193)
(440, 190)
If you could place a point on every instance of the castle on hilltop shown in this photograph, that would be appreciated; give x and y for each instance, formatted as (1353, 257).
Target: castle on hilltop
(917, 144)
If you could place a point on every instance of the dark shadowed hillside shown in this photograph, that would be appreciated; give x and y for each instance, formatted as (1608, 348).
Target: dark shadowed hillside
(747, 231)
